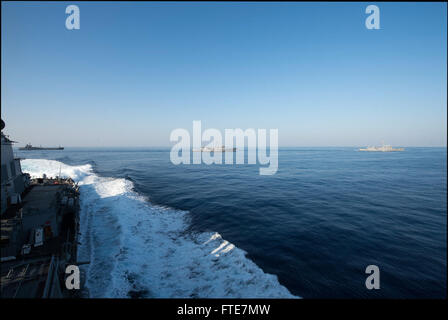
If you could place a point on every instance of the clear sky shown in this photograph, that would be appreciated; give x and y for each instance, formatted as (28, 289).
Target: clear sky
(136, 71)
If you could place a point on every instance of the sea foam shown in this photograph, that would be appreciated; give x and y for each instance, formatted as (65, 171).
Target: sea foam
(137, 249)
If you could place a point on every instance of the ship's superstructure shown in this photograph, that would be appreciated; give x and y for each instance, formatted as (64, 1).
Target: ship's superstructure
(13, 181)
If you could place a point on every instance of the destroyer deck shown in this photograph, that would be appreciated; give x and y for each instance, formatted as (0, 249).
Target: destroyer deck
(38, 239)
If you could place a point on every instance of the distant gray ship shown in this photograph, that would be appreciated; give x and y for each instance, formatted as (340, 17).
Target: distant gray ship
(383, 148)
(215, 149)
(30, 147)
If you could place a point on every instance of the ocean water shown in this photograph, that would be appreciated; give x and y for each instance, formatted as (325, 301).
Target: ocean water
(154, 229)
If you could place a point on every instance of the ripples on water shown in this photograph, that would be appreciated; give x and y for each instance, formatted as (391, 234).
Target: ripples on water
(317, 223)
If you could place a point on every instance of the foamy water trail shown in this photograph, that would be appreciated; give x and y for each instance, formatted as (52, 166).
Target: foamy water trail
(137, 249)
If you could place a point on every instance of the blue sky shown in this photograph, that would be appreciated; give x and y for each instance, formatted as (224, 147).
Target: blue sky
(136, 71)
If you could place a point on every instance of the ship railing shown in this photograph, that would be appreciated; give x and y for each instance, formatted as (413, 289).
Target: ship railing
(49, 281)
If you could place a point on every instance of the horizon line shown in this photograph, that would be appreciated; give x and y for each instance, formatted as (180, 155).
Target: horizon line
(245, 147)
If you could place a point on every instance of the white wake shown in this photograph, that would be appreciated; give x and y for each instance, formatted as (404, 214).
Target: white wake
(137, 249)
